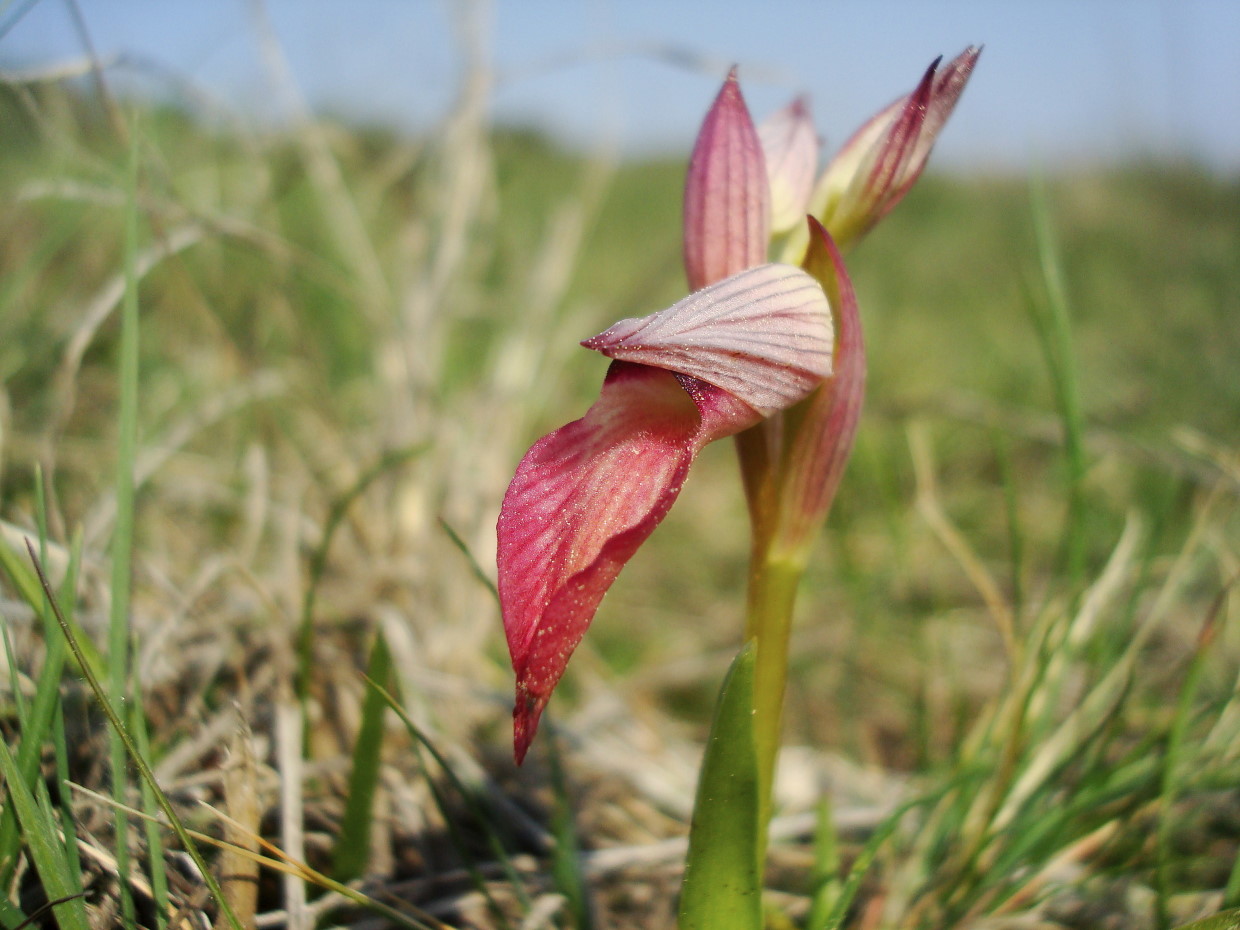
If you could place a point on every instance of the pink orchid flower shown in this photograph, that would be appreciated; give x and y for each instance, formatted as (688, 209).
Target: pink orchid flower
(766, 352)
(587, 495)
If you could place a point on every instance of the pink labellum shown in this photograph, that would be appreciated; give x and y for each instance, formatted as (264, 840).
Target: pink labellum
(727, 197)
(790, 147)
(763, 335)
(583, 499)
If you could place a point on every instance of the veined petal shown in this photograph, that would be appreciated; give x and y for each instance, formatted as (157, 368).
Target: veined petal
(727, 196)
(948, 86)
(882, 160)
(790, 147)
(763, 335)
(860, 175)
(821, 431)
(582, 500)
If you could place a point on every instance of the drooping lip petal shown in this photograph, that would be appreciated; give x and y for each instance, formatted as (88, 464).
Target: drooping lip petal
(727, 195)
(587, 495)
(790, 147)
(763, 335)
(582, 500)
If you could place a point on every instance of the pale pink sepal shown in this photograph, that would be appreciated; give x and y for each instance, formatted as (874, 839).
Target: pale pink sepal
(727, 197)
(582, 500)
(821, 441)
(790, 147)
(763, 335)
(878, 165)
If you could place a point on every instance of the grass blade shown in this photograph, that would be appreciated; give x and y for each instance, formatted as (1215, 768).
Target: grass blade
(41, 721)
(477, 812)
(1052, 319)
(318, 561)
(1178, 757)
(122, 539)
(566, 869)
(869, 852)
(39, 829)
(131, 746)
(353, 847)
(463, 547)
(154, 835)
(826, 888)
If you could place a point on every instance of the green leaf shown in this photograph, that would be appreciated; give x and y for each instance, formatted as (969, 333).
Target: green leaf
(722, 888)
(1227, 920)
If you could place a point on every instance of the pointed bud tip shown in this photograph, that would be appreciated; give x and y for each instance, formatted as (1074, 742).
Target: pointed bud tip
(521, 739)
(727, 196)
(731, 89)
(957, 70)
(921, 93)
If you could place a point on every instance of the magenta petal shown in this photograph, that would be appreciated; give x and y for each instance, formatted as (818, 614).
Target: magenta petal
(763, 335)
(727, 196)
(582, 501)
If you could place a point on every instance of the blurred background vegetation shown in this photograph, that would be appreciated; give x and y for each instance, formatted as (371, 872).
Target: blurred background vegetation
(349, 337)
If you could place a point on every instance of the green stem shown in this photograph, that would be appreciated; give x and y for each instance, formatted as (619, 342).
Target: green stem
(773, 581)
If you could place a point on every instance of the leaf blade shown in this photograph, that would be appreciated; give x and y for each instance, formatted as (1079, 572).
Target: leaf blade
(722, 886)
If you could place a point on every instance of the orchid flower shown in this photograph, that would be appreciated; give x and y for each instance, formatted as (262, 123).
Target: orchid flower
(587, 495)
(792, 462)
(768, 353)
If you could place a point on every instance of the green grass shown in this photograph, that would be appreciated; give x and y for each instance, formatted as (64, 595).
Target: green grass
(319, 390)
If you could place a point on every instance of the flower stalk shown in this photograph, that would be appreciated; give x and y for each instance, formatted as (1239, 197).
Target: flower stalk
(792, 464)
(773, 583)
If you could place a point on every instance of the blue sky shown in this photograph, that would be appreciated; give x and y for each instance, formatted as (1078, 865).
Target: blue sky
(1059, 81)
